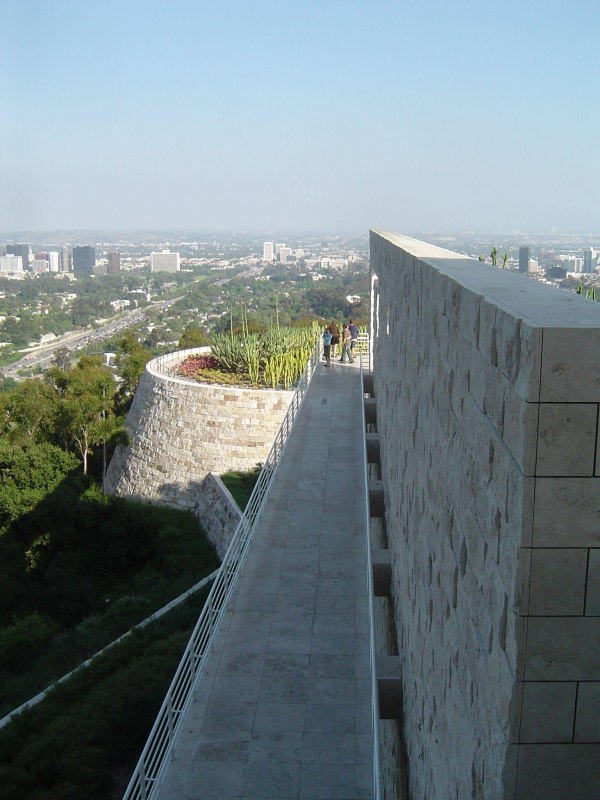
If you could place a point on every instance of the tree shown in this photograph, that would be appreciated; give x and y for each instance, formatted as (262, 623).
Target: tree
(29, 412)
(494, 256)
(131, 361)
(87, 408)
(29, 472)
(62, 358)
(193, 336)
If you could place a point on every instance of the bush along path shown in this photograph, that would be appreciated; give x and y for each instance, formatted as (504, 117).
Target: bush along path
(152, 618)
(84, 740)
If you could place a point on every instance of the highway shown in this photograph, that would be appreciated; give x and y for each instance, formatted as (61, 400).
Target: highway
(40, 357)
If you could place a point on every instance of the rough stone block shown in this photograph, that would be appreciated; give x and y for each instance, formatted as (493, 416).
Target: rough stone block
(592, 600)
(566, 439)
(558, 772)
(566, 512)
(548, 711)
(558, 581)
(562, 648)
(587, 716)
(570, 365)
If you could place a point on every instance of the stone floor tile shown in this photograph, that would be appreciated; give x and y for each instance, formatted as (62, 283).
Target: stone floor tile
(329, 718)
(325, 643)
(279, 717)
(326, 782)
(331, 690)
(271, 779)
(276, 746)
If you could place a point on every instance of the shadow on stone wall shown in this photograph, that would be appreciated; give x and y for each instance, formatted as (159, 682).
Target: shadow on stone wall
(211, 503)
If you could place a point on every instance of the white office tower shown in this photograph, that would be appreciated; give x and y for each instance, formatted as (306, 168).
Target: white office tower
(11, 263)
(54, 260)
(268, 253)
(284, 254)
(278, 249)
(39, 265)
(165, 261)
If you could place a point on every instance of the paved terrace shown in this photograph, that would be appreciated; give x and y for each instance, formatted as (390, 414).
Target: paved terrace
(283, 710)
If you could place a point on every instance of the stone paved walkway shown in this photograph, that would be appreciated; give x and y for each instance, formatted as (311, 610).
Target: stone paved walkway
(283, 709)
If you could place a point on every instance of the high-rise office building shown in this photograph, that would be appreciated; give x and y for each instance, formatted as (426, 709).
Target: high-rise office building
(164, 262)
(113, 262)
(66, 259)
(589, 259)
(23, 250)
(268, 252)
(84, 259)
(39, 264)
(523, 259)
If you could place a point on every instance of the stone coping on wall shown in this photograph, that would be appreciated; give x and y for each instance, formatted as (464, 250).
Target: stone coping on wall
(553, 359)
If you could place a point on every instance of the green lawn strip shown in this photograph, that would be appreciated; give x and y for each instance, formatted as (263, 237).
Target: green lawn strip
(84, 739)
(168, 554)
(241, 484)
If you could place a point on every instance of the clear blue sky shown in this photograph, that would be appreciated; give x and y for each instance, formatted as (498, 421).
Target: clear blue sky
(296, 114)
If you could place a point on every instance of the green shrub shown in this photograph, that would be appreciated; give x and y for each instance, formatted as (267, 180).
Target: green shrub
(24, 640)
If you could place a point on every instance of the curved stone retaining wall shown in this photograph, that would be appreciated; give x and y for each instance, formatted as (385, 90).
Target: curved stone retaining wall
(180, 430)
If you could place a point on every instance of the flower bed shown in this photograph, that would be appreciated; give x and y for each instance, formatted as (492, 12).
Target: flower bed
(273, 360)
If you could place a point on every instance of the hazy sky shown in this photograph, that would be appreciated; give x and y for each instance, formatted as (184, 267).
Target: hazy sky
(294, 114)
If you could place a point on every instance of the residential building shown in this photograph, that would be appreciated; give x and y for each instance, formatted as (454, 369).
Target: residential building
(285, 254)
(113, 262)
(11, 263)
(268, 253)
(54, 260)
(166, 261)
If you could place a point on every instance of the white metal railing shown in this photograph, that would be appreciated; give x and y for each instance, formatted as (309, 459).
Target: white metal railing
(363, 350)
(163, 365)
(154, 760)
(377, 779)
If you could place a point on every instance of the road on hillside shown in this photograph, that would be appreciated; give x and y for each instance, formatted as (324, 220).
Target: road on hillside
(40, 357)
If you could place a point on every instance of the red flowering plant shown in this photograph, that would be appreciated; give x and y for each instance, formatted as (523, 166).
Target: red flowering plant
(192, 365)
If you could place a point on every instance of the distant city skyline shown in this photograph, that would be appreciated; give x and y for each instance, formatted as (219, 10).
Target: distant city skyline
(314, 115)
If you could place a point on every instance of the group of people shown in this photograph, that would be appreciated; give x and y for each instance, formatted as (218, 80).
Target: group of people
(331, 340)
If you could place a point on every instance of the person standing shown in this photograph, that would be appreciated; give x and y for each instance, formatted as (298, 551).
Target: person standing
(327, 346)
(335, 337)
(346, 351)
(353, 328)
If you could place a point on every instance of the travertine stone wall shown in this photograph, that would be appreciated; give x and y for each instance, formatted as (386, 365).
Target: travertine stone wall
(218, 513)
(180, 430)
(488, 394)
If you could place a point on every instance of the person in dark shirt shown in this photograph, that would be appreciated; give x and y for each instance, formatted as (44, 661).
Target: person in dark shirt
(335, 337)
(353, 328)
